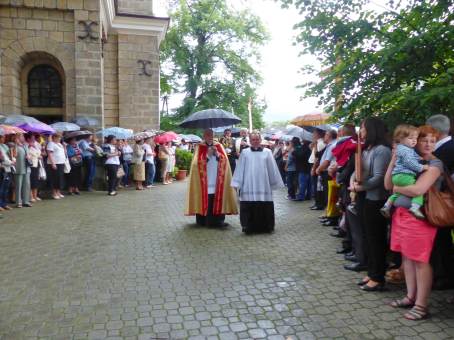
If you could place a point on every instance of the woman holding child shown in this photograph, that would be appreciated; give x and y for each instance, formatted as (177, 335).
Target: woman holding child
(412, 236)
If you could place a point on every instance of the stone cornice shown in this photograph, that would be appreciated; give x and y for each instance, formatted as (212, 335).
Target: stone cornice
(125, 23)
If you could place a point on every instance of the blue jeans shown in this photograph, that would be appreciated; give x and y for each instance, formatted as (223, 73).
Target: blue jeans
(127, 170)
(150, 171)
(90, 170)
(5, 184)
(304, 184)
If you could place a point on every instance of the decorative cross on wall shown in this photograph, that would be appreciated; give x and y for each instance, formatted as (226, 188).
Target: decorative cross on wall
(89, 32)
(146, 68)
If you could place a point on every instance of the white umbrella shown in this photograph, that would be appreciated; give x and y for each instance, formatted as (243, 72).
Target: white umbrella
(301, 133)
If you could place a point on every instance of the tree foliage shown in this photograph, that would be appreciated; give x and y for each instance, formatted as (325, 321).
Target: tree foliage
(209, 54)
(396, 62)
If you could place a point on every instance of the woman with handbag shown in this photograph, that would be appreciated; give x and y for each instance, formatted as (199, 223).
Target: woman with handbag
(34, 151)
(112, 164)
(138, 161)
(412, 237)
(164, 160)
(74, 177)
(126, 161)
(7, 162)
(56, 157)
(22, 174)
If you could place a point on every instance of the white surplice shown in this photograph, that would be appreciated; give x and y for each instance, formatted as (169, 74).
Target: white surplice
(257, 175)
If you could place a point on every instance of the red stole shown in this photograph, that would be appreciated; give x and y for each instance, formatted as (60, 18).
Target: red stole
(202, 167)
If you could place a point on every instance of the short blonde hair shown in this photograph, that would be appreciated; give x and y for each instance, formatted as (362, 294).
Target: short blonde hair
(403, 131)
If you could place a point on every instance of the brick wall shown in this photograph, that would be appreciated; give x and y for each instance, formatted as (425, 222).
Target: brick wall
(138, 93)
(111, 117)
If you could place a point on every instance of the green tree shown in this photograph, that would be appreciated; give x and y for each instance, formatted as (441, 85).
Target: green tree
(397, 62)
(209, 54)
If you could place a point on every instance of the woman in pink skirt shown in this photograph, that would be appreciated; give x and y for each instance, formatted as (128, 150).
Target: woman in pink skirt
(412, 237)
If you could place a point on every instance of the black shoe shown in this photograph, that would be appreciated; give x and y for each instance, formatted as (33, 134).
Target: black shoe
(336, 228)
(351, 253)
(316, 208)
(331, 223)
(220, 225)
(362, 282)
(339, 234)
(355, 266)
(377, 288)
(342, 251)
(322, 217)
(351, 258)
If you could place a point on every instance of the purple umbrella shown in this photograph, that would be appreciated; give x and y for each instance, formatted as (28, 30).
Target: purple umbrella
(37, 127)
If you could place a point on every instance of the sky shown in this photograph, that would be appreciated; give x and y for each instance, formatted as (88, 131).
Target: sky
(280, 61)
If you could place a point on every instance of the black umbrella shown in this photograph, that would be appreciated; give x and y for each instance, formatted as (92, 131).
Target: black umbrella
(77, 134)
(208, 119)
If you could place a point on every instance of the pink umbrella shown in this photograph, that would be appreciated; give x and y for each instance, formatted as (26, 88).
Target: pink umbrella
(276, 136)
(166, 137)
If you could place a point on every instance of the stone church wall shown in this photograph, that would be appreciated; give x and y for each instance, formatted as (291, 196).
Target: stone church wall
(24, 31)
(138, 86)
(111, 116)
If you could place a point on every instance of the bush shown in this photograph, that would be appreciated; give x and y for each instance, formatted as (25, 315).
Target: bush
(183, 159)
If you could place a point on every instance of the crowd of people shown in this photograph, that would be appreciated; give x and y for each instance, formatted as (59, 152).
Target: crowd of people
(31, 164)
(371, 188)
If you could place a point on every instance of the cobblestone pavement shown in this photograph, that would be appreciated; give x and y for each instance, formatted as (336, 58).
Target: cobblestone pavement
(133, 267)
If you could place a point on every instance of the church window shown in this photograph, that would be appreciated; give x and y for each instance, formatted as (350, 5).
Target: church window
(44, 87)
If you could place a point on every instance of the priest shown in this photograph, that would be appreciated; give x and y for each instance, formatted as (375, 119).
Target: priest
(255, 178)
(210, 196)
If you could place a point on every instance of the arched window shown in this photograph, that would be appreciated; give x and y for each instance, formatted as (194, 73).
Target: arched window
(44, 87)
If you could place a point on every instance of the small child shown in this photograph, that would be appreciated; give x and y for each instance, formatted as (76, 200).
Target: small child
(406, 168)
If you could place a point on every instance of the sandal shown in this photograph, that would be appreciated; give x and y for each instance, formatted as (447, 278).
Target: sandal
(406, 302)
(417, 313)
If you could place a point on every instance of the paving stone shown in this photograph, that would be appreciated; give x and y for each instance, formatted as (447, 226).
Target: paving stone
(144, 273)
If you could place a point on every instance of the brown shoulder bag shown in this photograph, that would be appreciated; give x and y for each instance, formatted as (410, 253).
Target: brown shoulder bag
(439, 205)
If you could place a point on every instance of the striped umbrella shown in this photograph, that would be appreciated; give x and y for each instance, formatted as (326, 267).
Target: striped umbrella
(311, 119)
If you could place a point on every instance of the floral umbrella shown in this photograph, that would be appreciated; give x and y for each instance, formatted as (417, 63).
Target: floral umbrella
(65, 127)
(118, 132)
(11, 130)
(143, 135)
(311, 119)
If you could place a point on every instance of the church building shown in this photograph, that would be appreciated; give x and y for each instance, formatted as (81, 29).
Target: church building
(60, 59)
